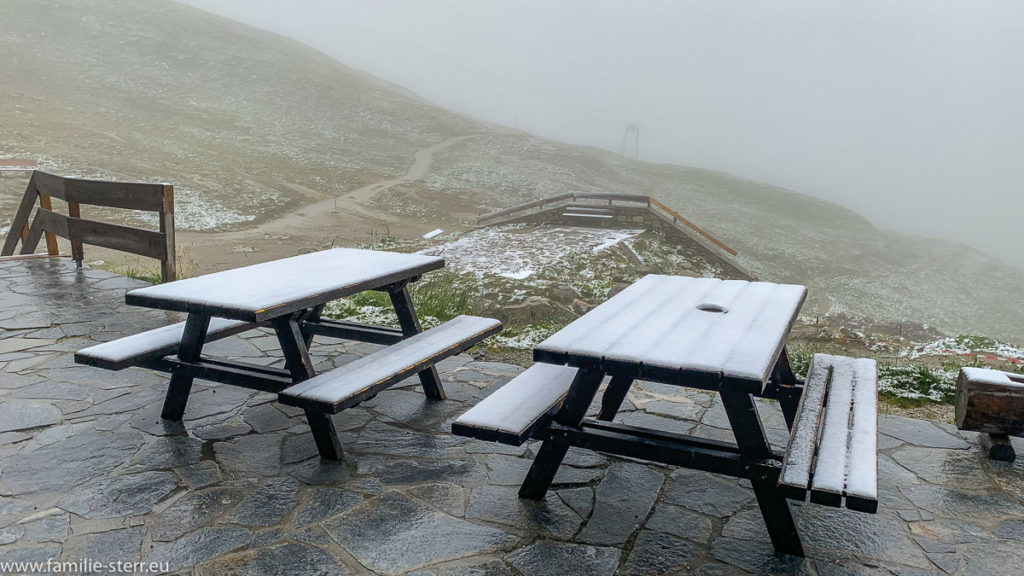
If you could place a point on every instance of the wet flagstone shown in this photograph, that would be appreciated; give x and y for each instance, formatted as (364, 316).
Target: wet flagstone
(88, 469)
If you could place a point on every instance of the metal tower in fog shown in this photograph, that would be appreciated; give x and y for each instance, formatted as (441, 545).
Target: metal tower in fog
(631, 146)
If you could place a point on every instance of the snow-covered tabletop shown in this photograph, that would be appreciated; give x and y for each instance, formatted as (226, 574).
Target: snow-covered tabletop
(730, 329)
(262, 291)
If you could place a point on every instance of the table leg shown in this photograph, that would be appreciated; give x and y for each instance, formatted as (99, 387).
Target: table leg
(753, 445)
(192, 339)
(293, 346)
(613, 397)
(312, 315)
(552, 451)
(789, 388)
(406, 312)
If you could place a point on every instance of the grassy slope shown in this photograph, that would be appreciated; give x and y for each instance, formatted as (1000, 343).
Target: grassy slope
(233, 116)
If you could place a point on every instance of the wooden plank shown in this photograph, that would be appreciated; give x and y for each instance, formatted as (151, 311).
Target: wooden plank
(355, 331)
(260, 292)
(833, 444)
(20, 223)
(513, 412)
(169, 265)
(862, 472)
(124, 238)
(803, 441)
(695, 228)
(49, 184)
(132, 350)
(127, 195)
(338, 389)
(44, 220)
(75, 211)
(51, 240)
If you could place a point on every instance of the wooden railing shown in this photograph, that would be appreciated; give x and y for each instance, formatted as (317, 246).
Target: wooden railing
(42, 186)
(635, 198)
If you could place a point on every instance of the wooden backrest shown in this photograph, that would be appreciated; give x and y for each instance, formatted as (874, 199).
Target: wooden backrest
(43, 186)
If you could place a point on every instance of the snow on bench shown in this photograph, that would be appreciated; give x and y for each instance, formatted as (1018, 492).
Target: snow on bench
(514, 411)
(833, 449)
(582, 215)
(140, 348)
(991, 402)
(361, 379)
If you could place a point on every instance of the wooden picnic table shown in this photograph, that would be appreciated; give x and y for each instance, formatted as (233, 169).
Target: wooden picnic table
(727, 336)
(289, 295)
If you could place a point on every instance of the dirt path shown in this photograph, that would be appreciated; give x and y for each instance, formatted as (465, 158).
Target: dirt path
(337, 220)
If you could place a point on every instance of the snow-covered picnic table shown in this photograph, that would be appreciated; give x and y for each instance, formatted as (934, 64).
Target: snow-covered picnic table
(289, 295)
(727, 336)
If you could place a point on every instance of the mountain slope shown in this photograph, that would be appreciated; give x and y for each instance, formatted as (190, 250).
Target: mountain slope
(249, 125)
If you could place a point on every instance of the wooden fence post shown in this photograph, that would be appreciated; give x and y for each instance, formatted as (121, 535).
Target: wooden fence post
(168, 267)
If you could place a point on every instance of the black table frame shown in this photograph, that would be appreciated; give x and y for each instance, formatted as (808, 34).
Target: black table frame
(751, 457)
(295, 332)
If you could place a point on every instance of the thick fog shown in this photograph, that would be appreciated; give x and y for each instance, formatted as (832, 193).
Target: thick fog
(911, 113)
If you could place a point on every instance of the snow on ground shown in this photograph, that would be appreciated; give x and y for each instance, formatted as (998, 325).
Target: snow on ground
(967, 346)
(517, 252)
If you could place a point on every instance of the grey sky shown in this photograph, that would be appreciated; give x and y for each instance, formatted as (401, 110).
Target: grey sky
(911, 113)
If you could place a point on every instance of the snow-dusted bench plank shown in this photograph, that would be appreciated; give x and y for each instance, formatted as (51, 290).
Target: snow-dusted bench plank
(140, 348)
(349, 385)
(273, 289)
(833, 449)
(512, 413)
(587, 215)
(733, 330)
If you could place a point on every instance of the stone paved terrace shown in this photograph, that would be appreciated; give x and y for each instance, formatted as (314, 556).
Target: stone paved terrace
(87, 470)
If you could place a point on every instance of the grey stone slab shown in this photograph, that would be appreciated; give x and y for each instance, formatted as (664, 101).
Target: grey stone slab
(200, 474)
(11, 534)
(681, 409)
(982, 508)
(194, 510)
(991, 558)
(657, 553)
(918, 432)
(321, 472)
(47, 526)
(944, 467)
(39, 553)
(486, 567)
(510, 471)
(681, 522)
(546, 557)
(53, 391)
(654, 422)
(446, 497)
(266, 418)
(269, 504)
(392, 534)
(463, 470)
(1011, 530)
(168, 452)
(124, 545)
(24, 414)
(583, 458)
(289, 559)
(114, 496)
(548, 517)
(298, 448)
(831, 533)
(327, 503)
(706, 493)
(581, 500)
(68, 463)
(255, 454)
(623, 499)
(481, 447)
(13, 437)
(379, 438)
(413, 408)
(226, 430)
(199, 546)
(757, 557)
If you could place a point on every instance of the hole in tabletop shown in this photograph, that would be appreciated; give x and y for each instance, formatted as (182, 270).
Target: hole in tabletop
(712, 308)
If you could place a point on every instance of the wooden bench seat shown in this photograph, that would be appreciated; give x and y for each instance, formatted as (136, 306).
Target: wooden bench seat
(139, 349)
(991, 402)
(514, 411)
(587, 215)
(356, 381)
(833, 447)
